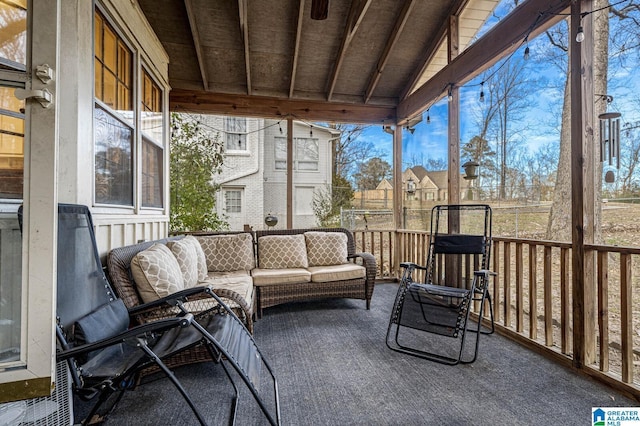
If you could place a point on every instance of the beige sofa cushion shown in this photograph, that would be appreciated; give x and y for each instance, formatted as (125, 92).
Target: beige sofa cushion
(262, 277)
(282, 252)
(190, 257)
(326, 248)
(238, 281)
(347, 271)
(227, 253)
(156, 273)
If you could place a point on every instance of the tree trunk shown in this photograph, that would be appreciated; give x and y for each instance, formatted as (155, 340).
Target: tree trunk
(559, 225)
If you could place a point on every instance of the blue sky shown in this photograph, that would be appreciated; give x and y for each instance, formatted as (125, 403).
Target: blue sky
(540, 122)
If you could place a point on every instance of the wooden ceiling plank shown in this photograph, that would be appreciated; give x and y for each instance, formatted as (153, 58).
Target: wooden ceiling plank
(393, 38)
(501, 40)
(424, 61)
(296, 49)
(196, 42)
(356, 14)
(244, 28)
(278, 108)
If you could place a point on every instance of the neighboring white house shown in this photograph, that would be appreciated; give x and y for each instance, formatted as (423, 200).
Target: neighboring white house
(254, 176)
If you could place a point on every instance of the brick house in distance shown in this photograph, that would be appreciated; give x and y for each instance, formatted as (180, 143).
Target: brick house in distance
(254, 176)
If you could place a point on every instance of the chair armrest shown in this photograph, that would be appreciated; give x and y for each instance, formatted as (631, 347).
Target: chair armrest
(412, 266)
(171, 305)
(485, 273)
(369, 262)
(140, 331)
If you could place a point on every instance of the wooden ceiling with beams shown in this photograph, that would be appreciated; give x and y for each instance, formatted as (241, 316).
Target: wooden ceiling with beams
(269, 58)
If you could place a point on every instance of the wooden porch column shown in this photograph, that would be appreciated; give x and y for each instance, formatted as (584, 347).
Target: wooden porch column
(453, 187)
(289, 173)
(397, 193)
(583, 184)
(453, 266)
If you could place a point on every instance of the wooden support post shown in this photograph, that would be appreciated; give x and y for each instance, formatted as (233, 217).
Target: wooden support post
(289, 173)
(453, 265)
(397, 194)
(582, 188)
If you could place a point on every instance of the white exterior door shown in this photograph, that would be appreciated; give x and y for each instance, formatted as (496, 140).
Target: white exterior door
(28, 162)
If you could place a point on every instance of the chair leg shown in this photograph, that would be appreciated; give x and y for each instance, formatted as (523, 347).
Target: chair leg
(236, 397)
(174, 380)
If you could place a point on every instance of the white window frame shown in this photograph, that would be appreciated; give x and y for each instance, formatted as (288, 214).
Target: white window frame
(232, 134)
(240, 192)
(281, 164)
(34, 373)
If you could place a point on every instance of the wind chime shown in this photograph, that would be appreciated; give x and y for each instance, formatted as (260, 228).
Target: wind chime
(610, 142)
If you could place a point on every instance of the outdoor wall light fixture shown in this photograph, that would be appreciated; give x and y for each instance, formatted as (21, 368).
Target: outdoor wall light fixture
(580, 35)
(411, 186)
(388, 129)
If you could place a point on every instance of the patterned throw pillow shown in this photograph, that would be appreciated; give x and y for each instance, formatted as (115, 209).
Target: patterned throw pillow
(282, 252)
(326, 248)
(156, 273)
(227, 253)
(202, 260)
(185, 254)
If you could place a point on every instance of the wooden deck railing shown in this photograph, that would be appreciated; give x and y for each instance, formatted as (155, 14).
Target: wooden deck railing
(532, 297)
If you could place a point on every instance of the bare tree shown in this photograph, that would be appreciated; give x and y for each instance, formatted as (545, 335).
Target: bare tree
(559, 226)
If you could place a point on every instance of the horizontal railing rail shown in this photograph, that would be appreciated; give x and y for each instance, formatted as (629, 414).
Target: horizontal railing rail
(532, 296)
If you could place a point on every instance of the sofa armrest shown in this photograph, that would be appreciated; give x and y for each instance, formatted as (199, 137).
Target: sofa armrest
(369, 262)
(165, 308)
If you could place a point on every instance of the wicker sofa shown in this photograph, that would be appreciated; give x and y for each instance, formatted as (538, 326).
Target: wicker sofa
(254, 271)
(237, 291)
(324, 278)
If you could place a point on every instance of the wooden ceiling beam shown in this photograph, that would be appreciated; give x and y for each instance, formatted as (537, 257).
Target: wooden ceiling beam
(531, 17)
(393, 38)
(196, 42)
(296, 49)
(356, 14)
(456, 9)
(244, 29)
(268, 107)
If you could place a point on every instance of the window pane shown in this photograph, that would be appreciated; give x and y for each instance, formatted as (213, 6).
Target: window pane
(233, 201)
(307, 153)
(109, 54)
(11, 145)
(113, 63)
(97, 37)
(236, 133)
(109, 89)
(151, 174)
(98, 79)
(13, 35)
(152, 118)
(11, 186)
(114, 160)
(281, 153)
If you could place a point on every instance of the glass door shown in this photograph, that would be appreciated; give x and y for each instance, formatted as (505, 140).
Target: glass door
(13, 54)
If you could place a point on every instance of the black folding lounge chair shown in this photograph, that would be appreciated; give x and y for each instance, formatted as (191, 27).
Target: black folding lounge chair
(104, 354)
(438, 298)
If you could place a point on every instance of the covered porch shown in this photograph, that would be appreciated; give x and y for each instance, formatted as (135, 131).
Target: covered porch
(385, 63)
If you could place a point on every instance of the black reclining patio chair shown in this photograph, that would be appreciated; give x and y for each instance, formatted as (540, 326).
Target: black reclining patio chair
(104, 353)
(438, 298)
